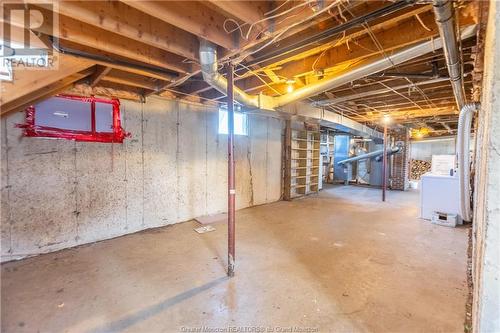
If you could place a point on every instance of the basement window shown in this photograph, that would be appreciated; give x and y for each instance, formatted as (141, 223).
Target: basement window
(240, 123)
(75, 118)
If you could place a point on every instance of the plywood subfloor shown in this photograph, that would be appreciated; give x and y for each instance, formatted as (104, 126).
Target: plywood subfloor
(340, 261)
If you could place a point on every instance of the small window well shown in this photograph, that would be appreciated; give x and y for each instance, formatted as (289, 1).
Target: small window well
(75, 118)
(240, 123)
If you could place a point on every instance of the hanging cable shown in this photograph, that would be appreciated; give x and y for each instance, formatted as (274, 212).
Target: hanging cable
(422, 23)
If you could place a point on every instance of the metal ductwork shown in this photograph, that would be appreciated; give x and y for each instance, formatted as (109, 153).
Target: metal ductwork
(209, 67)
(210, 71)
(372, 154)
(443, 10)
(370, 93)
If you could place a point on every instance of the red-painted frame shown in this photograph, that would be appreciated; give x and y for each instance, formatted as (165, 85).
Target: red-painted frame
(117, 136)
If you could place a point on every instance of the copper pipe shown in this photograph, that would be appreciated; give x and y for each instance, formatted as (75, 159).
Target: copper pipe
(231, 196)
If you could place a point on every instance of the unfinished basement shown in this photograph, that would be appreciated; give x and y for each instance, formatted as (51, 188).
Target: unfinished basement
(250, 166)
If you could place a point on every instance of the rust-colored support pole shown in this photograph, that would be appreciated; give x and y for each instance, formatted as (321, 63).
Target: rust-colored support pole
(231, 195)
(384, 164)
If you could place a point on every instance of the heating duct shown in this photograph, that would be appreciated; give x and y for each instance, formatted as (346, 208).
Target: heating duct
(209, 67)
(463, 158)
(372, 154)
(443, 10)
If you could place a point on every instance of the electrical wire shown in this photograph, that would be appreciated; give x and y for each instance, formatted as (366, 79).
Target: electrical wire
(382, 50)
(275, 9)
(380, 47)
(275, 38)
(261, 79)
(422, 23)
(246, 35)
(332, 44)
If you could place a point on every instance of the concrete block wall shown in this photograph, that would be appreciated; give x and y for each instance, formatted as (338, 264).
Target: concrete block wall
(57, 194)
(400, 172)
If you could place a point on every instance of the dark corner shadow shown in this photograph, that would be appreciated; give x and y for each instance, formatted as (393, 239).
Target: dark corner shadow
(132, 319)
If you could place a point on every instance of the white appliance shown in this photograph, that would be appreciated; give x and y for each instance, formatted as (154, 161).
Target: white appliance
(439, 193)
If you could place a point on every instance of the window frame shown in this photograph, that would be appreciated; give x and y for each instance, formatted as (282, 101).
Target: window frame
(245, 122)
(115, 136)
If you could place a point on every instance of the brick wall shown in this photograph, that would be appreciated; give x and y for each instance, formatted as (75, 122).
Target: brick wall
(400, 172)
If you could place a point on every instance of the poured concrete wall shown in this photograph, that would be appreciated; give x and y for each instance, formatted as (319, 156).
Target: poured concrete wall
(486, 224)
(59, 193)
(423, 150)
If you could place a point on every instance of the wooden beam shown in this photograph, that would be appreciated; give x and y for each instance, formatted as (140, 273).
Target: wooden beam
(119, 18)
(401, 34)
(87, 35)
(283, 27)
(404, 34)
(407, 114)
(131, 80)
(99, 73)
(107, 90)
(191, 16)
(245, 11)
(40, 94)
(27, 81)
(351, 35)
(114, 62)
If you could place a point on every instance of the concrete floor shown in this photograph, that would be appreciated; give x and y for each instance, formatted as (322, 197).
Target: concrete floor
(340, 261)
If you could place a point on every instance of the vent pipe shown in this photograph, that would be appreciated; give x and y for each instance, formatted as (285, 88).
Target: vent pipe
(210, 71)
(374, 154)
(209, 67)
(443, 11)
(463, 158)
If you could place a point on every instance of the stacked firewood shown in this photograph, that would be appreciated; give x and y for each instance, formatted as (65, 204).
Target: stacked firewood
(418, 168)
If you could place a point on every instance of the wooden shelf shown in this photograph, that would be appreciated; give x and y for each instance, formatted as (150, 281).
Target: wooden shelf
(302, 161)
(305, 149)
(300, 139)
(303, 185)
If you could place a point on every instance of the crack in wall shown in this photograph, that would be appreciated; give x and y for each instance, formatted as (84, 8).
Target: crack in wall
(249, 158)
(142, 162)
(8, 186)
(125, 113)
(177, 153)
(76, 212)
(206, 111)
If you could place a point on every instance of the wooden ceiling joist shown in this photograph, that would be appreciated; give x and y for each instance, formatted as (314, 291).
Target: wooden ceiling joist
(35, 95)
(99, 73)
(117, 17)
(191, 16)
(131, 80)
(397, 37)
(87, 35)
(246, 11)
(27, 81)
(406, 114)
